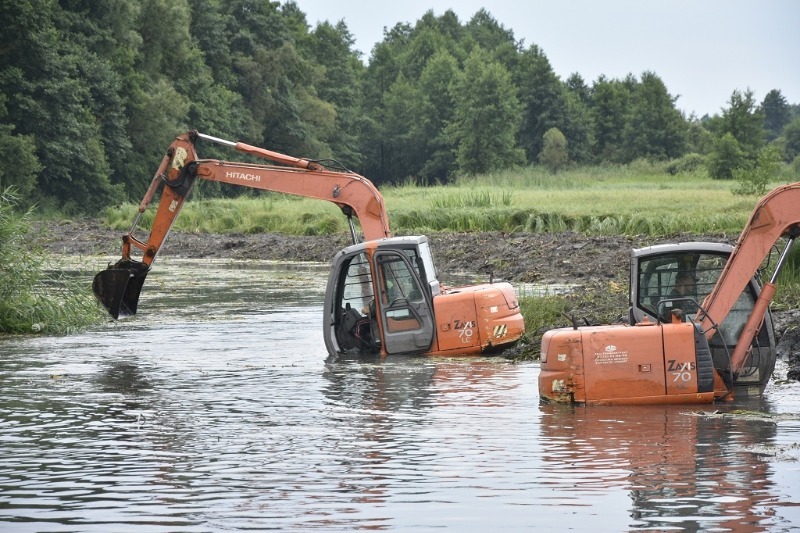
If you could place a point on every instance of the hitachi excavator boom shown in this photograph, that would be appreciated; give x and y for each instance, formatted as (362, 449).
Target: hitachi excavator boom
(119, 286)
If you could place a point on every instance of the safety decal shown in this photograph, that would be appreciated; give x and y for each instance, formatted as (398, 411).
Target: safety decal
(179, 158)
(500, 331)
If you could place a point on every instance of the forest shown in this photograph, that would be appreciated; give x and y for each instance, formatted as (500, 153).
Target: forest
(91, 94)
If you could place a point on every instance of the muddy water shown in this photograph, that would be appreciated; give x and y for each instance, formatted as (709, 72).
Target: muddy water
(216, 409)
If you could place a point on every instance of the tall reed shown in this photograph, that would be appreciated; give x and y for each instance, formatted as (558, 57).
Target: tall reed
(34, 296)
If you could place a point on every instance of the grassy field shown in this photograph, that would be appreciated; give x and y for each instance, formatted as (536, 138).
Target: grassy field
(600, 201)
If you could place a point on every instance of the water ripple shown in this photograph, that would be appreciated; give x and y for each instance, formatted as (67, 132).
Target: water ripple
(232, 419)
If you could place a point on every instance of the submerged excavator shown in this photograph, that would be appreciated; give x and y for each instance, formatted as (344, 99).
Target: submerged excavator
(383, 295)
(699, 328)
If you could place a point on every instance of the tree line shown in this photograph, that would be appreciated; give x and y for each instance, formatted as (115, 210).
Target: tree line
(91, 93)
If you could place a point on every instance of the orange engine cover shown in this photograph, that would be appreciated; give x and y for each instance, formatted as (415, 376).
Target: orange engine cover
(477, 319)
(642, 364)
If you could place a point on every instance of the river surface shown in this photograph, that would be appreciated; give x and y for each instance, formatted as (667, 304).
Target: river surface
(216, 408)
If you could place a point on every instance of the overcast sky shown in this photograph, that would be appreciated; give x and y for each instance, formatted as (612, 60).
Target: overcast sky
(701, 49)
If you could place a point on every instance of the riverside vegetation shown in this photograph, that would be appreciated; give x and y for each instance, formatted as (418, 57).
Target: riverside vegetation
(34, 297)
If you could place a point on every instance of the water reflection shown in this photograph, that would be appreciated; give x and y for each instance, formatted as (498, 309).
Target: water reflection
(397, 443)
(691, 470)
(375, 385)
(122, 377)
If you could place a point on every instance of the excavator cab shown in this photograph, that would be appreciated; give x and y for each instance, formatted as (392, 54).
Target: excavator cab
(655, 272)
(380, 295)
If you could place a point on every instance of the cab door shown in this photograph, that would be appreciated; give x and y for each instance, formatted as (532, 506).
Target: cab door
(404, 309)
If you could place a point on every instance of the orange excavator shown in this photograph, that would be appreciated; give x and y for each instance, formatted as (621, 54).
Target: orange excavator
(674, 350)
(383, 295)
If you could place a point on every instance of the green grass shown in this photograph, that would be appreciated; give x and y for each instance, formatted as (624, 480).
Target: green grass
(591, 203)
(598, 201)
(269, 213)
(34, 296)
(542, 312)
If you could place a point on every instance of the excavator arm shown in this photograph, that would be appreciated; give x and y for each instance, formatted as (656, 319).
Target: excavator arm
(776, 215)
(118, 286)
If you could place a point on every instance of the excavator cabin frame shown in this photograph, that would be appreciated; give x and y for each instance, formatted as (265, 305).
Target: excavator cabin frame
(654, 273)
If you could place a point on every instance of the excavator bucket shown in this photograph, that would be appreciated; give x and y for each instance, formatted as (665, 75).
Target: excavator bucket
(118, 286)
